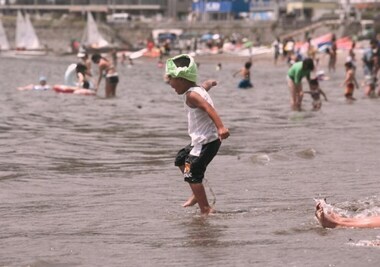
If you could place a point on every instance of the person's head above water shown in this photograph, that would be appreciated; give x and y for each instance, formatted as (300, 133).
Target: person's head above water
(81, 68)
(308, 64)
(182, 66)
(96, 58)
(314, 84)
(42, 80)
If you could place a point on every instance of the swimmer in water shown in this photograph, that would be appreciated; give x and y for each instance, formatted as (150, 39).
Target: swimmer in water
(330, 219)
(42, 86)
(245, 73)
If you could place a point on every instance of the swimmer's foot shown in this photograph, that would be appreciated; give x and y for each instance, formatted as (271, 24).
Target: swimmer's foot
(190, 202)
(324, 220)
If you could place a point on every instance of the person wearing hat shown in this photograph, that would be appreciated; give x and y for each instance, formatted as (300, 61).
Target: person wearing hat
(41, 86)
(205, 128)
(85, 61)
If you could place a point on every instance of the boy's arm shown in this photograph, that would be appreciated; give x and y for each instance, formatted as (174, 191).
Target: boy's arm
(323, 93)
(348, 77)
(194, 100)
(233, 75)
(207, 85)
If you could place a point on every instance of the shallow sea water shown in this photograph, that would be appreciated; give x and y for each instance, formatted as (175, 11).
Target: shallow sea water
(88, 181)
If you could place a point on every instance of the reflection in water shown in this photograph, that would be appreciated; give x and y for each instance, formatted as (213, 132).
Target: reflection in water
(201, 232)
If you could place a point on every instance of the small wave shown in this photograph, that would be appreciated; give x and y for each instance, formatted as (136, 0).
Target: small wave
(262, 159)
(365, 243)
(307, 153)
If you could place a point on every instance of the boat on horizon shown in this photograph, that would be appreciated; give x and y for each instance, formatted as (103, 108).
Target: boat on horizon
(4, 43)
(92, 40)
(27, 42)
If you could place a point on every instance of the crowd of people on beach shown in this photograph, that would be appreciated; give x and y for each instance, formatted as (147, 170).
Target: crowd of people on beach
(206, 128)
(307, 66)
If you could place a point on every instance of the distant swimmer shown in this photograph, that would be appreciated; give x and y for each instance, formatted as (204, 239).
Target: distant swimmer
(371, 60)
(350, 81)
(245, 73)
(42, 86)
(330, 219)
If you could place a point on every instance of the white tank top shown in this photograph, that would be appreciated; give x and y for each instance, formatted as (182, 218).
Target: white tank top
(71, 75)
(201, 128)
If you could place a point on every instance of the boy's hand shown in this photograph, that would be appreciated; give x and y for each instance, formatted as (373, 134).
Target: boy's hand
(223, 133)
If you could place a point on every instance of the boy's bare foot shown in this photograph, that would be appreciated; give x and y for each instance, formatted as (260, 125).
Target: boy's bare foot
(208, 211)
(190, 202)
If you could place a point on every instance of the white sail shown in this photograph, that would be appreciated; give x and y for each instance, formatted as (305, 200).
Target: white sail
(91, 36)
(31, 39)
(20, 31)
(4, 44)
(26, 37)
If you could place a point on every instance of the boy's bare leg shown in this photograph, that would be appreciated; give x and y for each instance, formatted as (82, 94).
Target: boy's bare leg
(190, 202)
(200, 195)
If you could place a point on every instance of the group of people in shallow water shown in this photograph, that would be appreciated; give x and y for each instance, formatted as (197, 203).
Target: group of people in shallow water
(78, 77)
(307, 67)
(206, 128)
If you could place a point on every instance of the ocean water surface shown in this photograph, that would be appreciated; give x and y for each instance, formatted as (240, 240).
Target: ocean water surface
(88, 181)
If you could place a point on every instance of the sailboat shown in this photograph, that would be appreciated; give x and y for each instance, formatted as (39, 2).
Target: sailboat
(27, 42)
(92, 39)
(4, 44)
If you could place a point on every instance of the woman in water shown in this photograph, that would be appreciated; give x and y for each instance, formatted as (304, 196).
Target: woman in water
(106, 68)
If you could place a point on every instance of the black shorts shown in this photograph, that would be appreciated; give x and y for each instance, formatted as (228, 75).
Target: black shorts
(113, 79)
(195, 167)
(86, 85)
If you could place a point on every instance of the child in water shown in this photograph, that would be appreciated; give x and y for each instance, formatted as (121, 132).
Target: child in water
(315, 93)
(350, 81)
(41, 86)
(205, 128)
(245, 72)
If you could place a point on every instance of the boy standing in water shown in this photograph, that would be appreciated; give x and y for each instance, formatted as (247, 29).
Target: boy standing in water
(205, 128)
(245, 72)
(350, 81)
(315, 93)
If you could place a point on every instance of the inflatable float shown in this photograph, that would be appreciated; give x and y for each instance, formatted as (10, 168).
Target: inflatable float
(65, 89)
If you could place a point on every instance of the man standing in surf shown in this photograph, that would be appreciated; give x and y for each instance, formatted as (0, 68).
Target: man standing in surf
(205, 128)
(296, 72)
